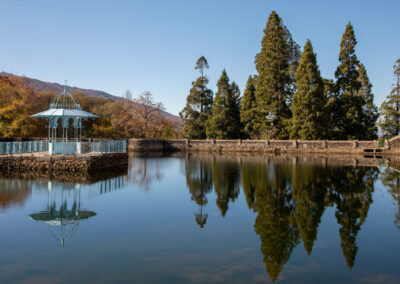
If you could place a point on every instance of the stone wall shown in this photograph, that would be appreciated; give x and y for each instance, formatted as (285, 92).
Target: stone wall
(65, 163)
(264, 146)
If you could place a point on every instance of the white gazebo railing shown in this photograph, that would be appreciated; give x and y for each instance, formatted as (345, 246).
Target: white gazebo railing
(9, 148)
(62, 147)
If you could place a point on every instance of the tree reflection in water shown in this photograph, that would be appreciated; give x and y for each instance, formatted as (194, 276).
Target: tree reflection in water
(144, 170)
(289, 199)
(351, 190)
(391, 179)
(199, 182)
(226, 179)
(275, 222)
(13, 192)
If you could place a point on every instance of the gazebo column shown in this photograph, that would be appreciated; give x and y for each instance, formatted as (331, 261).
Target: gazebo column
(78, 142)
(55, 124)
(49, 127)
(65, 128)
(76, 128)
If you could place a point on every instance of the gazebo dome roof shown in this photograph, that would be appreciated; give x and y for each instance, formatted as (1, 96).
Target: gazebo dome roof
(64, 105)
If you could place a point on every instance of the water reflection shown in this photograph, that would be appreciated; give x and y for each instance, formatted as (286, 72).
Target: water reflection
(391, 179)
(286, 199)
(145, 169)
(64, 211)
(289, 198)
(64, 208)
(199, 182)
(13, 192)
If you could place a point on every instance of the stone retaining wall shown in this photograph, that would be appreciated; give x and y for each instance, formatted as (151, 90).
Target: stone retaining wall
(67, 163)
(264, 146)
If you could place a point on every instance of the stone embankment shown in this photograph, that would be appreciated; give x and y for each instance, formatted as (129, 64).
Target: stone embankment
(66, 163)
(81, 177)
(391, 147)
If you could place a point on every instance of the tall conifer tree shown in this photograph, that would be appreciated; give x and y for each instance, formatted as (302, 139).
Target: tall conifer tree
(309, 115)
(248, 111)
(224, 122)
(349, 106)
(276, 64)
(390, 108)
(198, 104)
(370, 111)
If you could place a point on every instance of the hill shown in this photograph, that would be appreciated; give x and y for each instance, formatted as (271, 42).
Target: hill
(41, 86)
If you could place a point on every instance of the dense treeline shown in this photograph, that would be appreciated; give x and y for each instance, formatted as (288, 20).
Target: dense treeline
(140, 117)
(288, 98)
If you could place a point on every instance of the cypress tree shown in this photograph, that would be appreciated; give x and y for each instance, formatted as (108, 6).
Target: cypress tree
(309, 116)
(349, 106)
(276, 64)
(248, 111)
(224, 122)
(390, 108)
(370, 111)
(198, 104)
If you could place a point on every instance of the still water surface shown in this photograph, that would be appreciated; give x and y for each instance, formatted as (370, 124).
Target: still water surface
(204, 219)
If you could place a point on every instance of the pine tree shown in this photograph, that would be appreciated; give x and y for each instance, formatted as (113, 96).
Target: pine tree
(390, 108)
(276, 64)
(224, 122)
(370, 111)
(349, 109)
(198, 104)
(248, 111)
(309, 120)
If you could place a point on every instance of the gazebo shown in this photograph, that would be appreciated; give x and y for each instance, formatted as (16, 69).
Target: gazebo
(62, 109)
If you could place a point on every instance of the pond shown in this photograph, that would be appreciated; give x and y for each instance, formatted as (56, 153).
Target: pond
(197, 218)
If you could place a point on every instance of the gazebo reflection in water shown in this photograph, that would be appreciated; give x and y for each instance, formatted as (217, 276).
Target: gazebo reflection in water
(64, 211)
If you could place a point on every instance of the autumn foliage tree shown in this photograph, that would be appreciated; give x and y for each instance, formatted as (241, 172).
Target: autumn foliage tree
(140, 117)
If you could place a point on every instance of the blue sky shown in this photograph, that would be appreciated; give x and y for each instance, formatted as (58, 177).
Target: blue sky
(153, 45)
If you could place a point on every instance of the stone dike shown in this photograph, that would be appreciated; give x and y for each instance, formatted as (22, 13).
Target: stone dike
(349, 147)
(63, 163)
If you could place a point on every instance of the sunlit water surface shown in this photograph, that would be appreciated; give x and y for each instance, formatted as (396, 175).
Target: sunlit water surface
(204, 219)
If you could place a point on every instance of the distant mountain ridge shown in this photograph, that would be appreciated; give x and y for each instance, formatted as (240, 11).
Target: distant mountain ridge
(41, 86)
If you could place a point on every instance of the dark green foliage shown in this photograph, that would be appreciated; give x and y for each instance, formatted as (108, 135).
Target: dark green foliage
(198, 105)
(370, 111)
(224, 122)
(331, 107)
(310, 118)
(248, 111)
(276, 64)
(354, 114)
(390, 108)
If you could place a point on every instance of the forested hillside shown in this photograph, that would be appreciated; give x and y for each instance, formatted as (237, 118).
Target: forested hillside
(141, 117)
